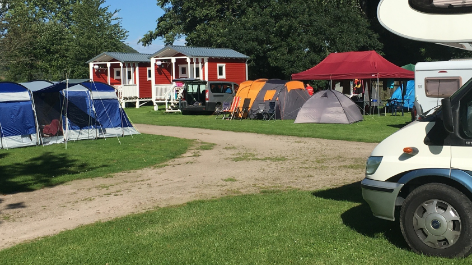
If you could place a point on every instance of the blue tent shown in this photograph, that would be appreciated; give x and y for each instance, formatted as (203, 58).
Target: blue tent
(76, 110)
(109, 114)
(408, 95)
(17, 120)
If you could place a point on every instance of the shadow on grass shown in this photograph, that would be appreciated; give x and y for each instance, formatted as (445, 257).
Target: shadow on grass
(350, 192)
(360, 218)
(37, 172)
(398, 126)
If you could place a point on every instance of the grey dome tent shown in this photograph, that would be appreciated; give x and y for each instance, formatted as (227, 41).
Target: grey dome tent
(329, 106)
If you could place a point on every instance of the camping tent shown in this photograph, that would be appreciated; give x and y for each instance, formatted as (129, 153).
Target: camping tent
(17, 121)
(249, 89)
(289, 98)
(329, 106)
(352, 65)
(109, 114)
(76, 110)
(288, 95)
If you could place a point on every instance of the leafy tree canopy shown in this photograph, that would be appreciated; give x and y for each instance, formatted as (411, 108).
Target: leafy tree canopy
(281, 36)
(44, 39)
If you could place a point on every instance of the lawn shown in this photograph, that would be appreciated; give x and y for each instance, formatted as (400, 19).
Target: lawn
(291, 227)
(32, 168)
(333, 226)
(373, 129)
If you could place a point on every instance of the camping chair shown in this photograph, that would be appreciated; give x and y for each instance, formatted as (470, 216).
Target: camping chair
(259, 111)
(225, 107)
(270, 113)
(229, 114)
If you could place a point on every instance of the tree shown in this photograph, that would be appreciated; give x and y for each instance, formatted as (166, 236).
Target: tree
(43, 39)
(281, 36)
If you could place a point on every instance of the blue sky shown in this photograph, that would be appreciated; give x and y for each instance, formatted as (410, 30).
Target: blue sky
(138, 17)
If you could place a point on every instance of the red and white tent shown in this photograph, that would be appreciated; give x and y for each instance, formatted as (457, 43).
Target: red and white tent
(352, 65)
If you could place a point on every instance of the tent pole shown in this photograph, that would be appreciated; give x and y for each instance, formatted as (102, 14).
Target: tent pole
(39, 139)
(67, 105)
(1, 138)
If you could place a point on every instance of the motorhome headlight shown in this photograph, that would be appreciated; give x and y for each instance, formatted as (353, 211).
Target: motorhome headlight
(372, 164)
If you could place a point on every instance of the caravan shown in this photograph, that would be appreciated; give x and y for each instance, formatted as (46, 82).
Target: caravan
(424, 171)
(437, 80)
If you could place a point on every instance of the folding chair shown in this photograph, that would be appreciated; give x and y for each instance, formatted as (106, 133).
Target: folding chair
(270, 113)
(229, 114)
(260, 111)
(225, 107)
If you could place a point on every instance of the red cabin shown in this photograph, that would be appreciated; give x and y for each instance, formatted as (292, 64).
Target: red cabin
(141, 78)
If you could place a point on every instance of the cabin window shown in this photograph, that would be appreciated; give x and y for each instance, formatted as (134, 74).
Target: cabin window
(130, 77)
(221, 71)
(441, 87)
(117, 73)
(197, 72)
(183, 71)
(149, 73)
(442, 6)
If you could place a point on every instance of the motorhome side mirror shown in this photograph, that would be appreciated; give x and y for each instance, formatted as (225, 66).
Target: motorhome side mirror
(447, 117)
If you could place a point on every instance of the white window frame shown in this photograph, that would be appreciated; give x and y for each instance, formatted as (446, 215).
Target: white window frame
(197, 70)
(223, 76)
(183, 66)
(130, 81)
(149, 73)
(117, 73)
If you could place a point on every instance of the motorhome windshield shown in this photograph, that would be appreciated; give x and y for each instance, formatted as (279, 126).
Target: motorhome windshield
(442, 6)
(467, 84)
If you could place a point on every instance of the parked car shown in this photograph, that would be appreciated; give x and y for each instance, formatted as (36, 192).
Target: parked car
(204, 97)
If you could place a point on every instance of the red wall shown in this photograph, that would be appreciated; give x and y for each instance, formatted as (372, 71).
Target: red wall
(235, 70)
(163, 74)
(100, 76)
(144, 84)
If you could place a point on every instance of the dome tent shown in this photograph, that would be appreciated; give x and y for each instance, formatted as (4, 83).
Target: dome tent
(329, 106)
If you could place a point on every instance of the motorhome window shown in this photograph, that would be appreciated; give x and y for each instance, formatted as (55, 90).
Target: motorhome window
(441, 87)
(465, 116)
(442, 6)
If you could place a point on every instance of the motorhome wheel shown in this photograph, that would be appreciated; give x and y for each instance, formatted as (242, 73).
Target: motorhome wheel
(436, 220)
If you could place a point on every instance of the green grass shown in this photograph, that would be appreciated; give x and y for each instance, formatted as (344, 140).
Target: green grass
(373, 128)
(286, 227)
(32, 168)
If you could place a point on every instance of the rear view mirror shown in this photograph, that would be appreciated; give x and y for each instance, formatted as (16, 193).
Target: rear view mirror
(447, 117)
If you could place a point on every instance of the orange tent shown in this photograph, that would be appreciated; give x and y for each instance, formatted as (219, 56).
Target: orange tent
(289, 96)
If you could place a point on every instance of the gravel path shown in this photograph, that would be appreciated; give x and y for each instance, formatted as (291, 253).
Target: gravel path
(238, 163)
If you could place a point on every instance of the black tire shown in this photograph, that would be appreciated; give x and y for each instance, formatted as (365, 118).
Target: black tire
(435, 220)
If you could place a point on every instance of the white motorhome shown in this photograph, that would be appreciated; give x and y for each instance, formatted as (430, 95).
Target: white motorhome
(437, 80)
(424, 171)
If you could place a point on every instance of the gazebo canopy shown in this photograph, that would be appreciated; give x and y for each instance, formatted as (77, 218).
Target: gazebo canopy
(352, 65)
